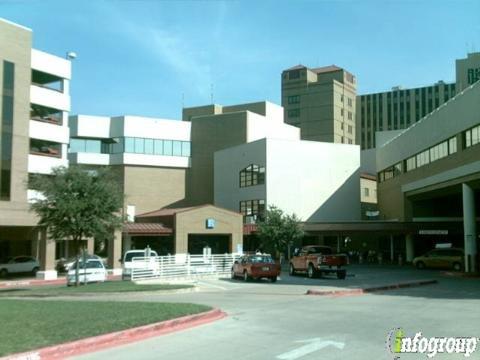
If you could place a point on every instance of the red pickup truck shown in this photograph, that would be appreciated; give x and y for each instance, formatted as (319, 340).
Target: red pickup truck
(316, 259)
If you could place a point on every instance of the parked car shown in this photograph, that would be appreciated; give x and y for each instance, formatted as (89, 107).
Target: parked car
(63, 265)
(92, 270)
(19, 264)
(256, 267)
(450, 258)
(316, 260)
(128, 264)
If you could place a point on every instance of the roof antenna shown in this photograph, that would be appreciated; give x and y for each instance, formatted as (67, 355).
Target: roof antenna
(211, 93)
(183, 100)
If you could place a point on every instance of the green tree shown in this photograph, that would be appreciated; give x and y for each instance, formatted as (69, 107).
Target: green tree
(278, 230)
(78, 204)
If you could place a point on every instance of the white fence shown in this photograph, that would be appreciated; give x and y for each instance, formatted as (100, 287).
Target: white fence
(182, 266)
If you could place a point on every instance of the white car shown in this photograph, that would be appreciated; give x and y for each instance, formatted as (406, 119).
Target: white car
(128, 264)
(19, 264)
(94, 271)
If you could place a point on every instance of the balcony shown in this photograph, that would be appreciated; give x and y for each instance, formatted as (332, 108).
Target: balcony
(49, 98)
(45, 148)
(46, 114)
(41, 164)
(49, 132)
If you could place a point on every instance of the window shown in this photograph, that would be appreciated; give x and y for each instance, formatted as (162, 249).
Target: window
(167, 147)
(129, 145)
(350, 129)
(158, 147)
(366, 192)
(45, 148)
(349, 102)
(294, 74)
(294, 99)
(254, 208)
(452, 145)
(177, 148)
(294, 113)
(423, 158)
(411, 164)
(350, 115)
(6, 125)
(149, 146)
(185, 148)
(472, 136)
(252, 175)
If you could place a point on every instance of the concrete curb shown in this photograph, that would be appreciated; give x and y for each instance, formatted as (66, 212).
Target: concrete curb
(371, 289)
(117, 338)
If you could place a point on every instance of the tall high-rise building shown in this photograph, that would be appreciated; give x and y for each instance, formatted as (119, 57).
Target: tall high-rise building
(399, 108)
(321, 102)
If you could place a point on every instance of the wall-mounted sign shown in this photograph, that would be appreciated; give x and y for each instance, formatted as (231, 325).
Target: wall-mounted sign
(433, 232)
(210, 223)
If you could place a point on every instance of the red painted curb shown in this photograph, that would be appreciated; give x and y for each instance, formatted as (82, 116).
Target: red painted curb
(370, 289)
(117, 338)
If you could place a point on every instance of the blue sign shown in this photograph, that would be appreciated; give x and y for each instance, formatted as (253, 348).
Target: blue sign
(210, 223)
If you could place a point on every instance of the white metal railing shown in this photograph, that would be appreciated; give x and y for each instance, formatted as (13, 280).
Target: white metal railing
(182, 266)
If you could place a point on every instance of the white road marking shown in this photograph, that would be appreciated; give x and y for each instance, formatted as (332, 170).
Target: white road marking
(312, 345)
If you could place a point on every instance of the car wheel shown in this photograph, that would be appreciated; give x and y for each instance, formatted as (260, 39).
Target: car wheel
(457, 266)
(273, 279)
(311, 271)
(35, 270)
(341, 274)
(3, 273)
(291, 270)
(420, 265)
(232, 276)
(245, 276)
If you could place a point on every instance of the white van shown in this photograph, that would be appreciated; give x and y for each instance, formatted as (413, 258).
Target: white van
(128, 264)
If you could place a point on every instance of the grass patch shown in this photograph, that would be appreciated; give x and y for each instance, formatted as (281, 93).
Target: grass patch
(106, 287)
(32, 324)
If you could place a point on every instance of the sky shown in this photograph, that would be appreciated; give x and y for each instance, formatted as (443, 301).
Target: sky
(150, 58)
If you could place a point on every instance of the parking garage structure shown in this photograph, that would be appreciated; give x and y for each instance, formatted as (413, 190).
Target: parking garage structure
(431, 171)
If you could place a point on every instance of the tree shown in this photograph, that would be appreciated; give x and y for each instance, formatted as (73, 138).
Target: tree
(277, 231)
(78, 203)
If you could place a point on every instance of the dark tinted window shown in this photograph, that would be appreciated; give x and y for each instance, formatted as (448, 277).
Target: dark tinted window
(320, 250)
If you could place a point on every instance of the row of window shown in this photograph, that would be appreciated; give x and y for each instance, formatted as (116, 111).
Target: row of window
(472, 136)
(425, 157)
(6, 128)
(45, 148)
(252, 208)
(131, 145)
(400, 112)
(252, 175)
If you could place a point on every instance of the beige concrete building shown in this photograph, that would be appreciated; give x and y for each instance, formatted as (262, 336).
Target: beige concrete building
(321, 102)
(216, 127)
(33, 138)
(400, 108)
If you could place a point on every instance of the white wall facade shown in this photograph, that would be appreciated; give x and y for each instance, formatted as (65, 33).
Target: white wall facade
(316, 181)
(101, 127)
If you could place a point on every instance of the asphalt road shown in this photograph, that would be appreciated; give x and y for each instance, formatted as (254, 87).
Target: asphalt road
(277, 321)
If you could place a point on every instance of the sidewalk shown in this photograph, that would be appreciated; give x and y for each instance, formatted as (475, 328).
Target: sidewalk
(22, 282)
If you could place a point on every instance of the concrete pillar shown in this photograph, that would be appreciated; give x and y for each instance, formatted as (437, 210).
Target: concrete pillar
(409, 247)
(91, 246)
(469, 228)
(115, 253)
(127, 243)
(392, 248)
(46, 256)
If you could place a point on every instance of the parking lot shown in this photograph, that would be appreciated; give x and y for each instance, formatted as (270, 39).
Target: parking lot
(278, 321)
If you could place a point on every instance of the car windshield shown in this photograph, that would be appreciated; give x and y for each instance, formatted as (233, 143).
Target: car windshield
(261, 259)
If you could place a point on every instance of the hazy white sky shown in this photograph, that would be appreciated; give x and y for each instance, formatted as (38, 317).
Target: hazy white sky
(148, 57)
